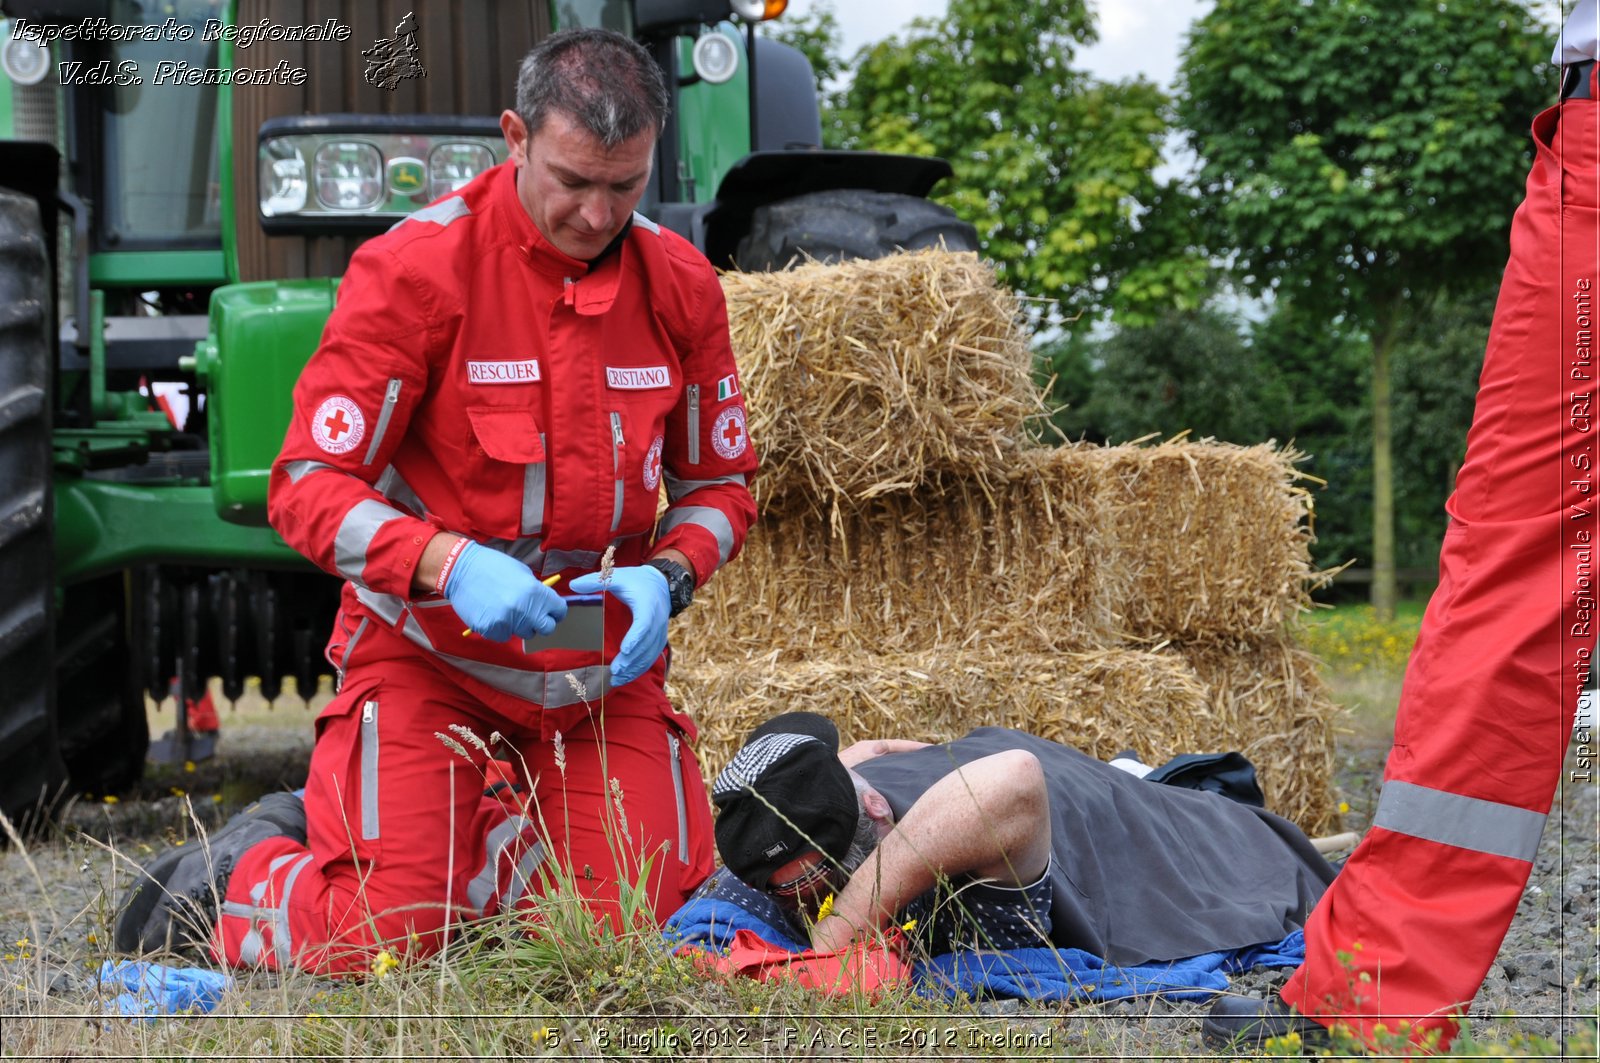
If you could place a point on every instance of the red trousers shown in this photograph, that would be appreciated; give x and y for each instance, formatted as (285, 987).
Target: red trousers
(1408, 930)
(403, 840)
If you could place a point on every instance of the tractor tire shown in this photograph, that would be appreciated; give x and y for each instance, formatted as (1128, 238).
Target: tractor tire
(32, 772)
(100, 714)
(848, 223)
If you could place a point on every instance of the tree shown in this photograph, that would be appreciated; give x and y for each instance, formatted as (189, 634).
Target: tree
(1190, 370)
(1053, 167)
(1363, 158)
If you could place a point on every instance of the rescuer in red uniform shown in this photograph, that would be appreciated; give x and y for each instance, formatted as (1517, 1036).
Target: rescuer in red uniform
(1402, 940)
(508, 379)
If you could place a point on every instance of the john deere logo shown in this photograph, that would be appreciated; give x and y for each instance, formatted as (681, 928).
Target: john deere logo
(406, 176)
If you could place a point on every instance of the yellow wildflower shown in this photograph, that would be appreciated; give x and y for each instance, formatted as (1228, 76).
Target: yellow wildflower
(826, 909)
(383, 963)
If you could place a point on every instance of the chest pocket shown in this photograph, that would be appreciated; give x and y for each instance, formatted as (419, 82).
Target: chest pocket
(504, 479)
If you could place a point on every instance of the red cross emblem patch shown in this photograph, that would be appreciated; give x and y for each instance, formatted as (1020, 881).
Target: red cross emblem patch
(338, 426)
(728, 436)
(652, 465)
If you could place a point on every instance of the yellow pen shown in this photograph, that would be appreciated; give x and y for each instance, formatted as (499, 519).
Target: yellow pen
(548, 582)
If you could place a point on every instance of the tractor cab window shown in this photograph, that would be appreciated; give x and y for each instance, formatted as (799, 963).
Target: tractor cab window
(162, 185)
(596, 14)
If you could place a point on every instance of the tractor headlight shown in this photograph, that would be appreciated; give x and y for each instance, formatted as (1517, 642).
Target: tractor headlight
(25, 62)
(282, 178)
(758, 10)
(349, 175)
(715, 58)
(454, 164)
(364, 173)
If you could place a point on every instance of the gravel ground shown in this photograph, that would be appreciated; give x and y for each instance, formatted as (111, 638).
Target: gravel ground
(56, 897)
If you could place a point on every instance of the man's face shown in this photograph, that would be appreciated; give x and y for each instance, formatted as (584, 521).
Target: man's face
(578, 192)
(805, 882)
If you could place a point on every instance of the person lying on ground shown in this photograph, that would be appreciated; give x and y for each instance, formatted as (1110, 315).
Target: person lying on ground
(1002, 840)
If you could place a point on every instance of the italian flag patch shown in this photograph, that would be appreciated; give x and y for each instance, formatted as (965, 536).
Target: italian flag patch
(728, 387)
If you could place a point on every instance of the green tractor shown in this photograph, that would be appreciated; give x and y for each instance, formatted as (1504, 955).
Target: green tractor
(182, 182)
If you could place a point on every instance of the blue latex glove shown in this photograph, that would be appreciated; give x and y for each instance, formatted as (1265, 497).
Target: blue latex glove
(155, 989)
(644, 590)
(498, 596)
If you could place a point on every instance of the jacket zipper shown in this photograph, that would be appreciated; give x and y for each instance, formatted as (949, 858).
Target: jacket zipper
(391, 399)
(369, 770)
(617, 444)
(694, 423)
(673, 745)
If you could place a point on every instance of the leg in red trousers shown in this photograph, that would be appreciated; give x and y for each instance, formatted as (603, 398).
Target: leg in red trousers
(1402, 940)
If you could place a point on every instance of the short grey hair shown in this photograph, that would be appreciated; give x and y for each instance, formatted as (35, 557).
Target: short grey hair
(866, 836)
(605, 82)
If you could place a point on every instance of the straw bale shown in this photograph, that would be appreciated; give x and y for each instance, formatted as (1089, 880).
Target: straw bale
(942, 568)
(866, 377)
(1214, 539)
(1269, 697)
(1101, 702)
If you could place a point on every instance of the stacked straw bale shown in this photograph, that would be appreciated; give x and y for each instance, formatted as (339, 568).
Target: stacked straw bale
(1215, 539)
(920, 569)
(949, 566)
(1099, 701)
(871, 377)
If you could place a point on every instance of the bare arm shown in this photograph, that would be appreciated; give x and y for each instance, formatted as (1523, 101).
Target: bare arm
(989, 819)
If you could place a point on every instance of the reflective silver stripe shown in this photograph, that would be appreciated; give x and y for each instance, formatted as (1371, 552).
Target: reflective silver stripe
(282, 939)
(350, 647)
(481, 888)
(442, 213)
(356, 532)
(392, 485)
(297, 470)
(646, 224)
(692, 393)
(583, 629)
(533, 494)
(521, 875)
(553, 690)
(1464, 822)
(677, 792)
(712, 520)
(677, 488)
(391, 399)
(369, 770)
(557, 560)
(388, 607)
(529, 551)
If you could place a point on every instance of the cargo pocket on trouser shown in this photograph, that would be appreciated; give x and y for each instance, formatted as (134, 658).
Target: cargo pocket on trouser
(693, 855)
(345, 785)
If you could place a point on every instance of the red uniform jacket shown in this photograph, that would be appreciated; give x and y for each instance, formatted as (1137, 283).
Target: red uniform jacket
(474, 379)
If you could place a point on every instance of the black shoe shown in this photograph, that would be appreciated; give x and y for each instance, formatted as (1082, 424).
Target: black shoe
(1249, 1022)
(174, 902)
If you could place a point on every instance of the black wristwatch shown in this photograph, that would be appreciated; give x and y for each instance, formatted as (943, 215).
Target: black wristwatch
(680, 584)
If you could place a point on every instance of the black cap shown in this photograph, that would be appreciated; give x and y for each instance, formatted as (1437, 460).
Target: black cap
(784, 786)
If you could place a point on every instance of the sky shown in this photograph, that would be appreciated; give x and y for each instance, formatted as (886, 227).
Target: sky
(1140, 37)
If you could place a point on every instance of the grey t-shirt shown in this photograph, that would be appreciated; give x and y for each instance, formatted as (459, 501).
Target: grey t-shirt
(1140, 871)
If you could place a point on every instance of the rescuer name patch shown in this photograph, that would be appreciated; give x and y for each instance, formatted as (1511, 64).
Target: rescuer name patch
(638, 378)
(337, 426)
(523, 372)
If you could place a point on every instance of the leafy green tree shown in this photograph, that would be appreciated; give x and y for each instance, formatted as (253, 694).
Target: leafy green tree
(1191, 370)
(1362, 157)
(1053, 167)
